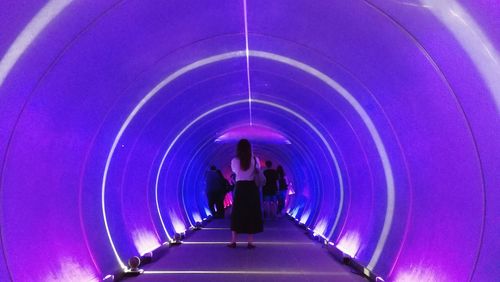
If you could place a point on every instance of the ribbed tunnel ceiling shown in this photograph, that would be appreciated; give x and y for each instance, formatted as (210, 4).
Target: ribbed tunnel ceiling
(109, 114)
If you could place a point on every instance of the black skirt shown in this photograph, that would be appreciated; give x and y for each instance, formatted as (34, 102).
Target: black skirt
(246, 216)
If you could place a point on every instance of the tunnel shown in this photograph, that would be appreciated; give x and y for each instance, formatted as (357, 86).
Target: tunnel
(384, 113)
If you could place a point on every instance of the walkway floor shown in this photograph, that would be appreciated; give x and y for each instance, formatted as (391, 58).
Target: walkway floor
(283, 253)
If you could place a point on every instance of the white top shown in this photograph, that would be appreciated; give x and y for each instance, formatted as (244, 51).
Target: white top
(244, 175)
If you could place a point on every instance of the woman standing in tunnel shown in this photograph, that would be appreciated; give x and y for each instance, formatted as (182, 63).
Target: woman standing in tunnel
(246, 216)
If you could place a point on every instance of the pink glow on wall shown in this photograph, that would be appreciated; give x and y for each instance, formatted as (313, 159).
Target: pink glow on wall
(178, 224)
(321, 227)
(71, 270)
(420, 273)
(255, 133)
(145, 241)
(350, 243)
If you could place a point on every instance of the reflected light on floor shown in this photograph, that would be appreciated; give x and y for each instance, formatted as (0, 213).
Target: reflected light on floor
(244, 242)
(255, 272)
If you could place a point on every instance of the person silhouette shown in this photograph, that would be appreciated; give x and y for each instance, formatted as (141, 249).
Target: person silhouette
(282, 188)
(246, 215)
(215, 190)
(270, 190)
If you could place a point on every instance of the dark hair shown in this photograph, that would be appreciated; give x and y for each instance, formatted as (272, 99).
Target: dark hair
(269, 163)
(212, 167)
(280, 171)
(244, 153)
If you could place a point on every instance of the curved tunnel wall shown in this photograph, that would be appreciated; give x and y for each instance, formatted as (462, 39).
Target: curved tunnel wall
(109, 111)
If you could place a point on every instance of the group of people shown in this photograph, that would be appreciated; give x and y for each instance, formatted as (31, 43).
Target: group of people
(246, 214)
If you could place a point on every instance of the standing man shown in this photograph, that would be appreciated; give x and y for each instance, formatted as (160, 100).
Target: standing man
(215, 191)
(270, 190)
(282, 189)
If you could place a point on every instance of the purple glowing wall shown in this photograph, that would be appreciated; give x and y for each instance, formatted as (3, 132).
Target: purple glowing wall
(109, 112)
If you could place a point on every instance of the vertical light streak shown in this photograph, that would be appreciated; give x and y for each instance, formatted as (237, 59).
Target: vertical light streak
(247, 55)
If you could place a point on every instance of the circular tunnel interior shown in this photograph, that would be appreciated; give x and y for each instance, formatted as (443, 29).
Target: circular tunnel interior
(384, 114)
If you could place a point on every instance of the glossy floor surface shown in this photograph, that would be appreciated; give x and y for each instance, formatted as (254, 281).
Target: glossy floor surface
(283, 253)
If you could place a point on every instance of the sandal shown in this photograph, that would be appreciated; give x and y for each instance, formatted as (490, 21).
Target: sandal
(231, 245)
